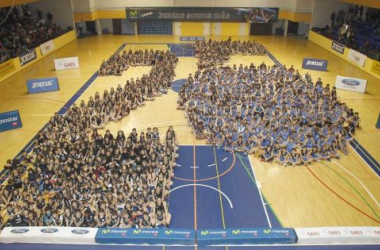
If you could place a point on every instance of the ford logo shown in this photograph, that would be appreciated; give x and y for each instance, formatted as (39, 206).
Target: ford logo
(351, 82)
(80, 231)
(49, 230)
(19, 230)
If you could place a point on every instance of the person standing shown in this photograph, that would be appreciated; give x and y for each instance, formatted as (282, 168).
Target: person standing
(332, 17)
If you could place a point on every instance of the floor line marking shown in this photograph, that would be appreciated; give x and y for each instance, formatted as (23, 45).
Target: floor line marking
(195, 196)
(206, 186)
(225, 159)
(195, 191)
(340, 197)
(365, 161)
(354, 189)
(220, 190)
(361, 183)
(366, 153)
(211, 178)
(259, 190)
(211, 165)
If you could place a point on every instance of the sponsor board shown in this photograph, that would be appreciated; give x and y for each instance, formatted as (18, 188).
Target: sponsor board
(356, 57)
(241, 236)
(152, 236)
(203, 14)
(192, 38)
(324, 235)
(66, 63)
(338, 47)
(375, 67)
(10, 120)
(28, 56)
(42, 85)
(47, 47)
(60, 235)
(6, 68)
(351, 84)
(314, 64)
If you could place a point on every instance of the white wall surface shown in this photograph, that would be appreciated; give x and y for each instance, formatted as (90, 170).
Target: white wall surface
(81, 5)
(107, 24)
(280, 23)
(303, 29)
(62, 11)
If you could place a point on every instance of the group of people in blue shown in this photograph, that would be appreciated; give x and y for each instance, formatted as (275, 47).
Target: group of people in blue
(270, 111)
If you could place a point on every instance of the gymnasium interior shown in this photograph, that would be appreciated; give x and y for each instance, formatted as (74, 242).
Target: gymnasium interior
(178, 124)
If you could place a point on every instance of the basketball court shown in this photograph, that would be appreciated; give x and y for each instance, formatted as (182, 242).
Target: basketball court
(215, 189)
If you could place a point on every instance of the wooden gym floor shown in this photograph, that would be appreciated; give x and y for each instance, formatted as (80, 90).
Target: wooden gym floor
(337, 193)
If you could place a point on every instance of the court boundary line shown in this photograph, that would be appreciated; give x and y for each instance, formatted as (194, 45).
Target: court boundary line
(367, 154)
(258, 189)
(361, 183)
(220, 196)
(340, 197)
(355, 190)
(206, 186)
(210, 178)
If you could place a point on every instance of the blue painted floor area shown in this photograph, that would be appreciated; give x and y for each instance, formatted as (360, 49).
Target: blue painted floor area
(181, 201)
(182, 49)
(367, 157)
(225, 190)
(177, 84)
(120, 247)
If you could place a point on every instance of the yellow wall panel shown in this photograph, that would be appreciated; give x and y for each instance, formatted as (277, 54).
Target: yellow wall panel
(295, 16)
(6, 3)
(99, 14)
(84, 16)
(230, 29)
(192, 29)
(110, 14)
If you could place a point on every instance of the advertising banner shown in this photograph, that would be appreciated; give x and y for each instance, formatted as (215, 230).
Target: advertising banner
(42, 85)
(338, 47)
(6, 68)
(151, 236)
(28, 57)
(351, 84)
(245, 236)
(326, 235)
(47, 47)
(314, 64)
(66, 63)
(204, 14)
(192, 38)
(357, 57)
(59, 235)
(10, 120)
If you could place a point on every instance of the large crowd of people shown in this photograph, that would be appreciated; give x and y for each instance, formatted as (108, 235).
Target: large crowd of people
(21, 32)
(359, 29)
(272, 112)
(77, 177)
(118, 63)
(213, 53)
